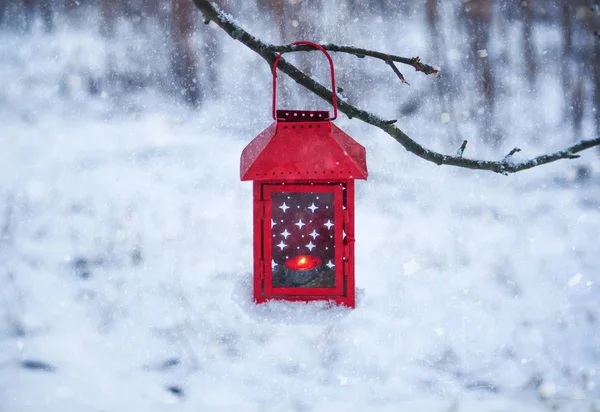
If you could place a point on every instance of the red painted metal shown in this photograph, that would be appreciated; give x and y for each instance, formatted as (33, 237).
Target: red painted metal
(258, 222)
(303, 151)
(349, 241)
(276, 63)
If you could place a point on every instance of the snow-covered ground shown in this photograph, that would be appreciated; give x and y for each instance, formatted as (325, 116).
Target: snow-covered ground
(126, 251)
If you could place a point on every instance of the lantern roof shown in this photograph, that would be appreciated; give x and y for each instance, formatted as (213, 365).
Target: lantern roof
(303, 145)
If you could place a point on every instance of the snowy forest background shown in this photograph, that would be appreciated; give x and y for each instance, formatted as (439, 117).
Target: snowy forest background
(125, 234)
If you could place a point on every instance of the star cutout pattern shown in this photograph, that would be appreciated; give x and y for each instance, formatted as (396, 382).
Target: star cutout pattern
(304, 225)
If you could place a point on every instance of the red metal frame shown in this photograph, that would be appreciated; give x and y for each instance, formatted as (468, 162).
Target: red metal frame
(308, 43)
(343, 293)
(349, 244)
(258, 224)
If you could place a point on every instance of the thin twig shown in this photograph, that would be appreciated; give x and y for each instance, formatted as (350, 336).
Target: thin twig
(512, 152)
(461, 149)
(398, 73)
(268, 52)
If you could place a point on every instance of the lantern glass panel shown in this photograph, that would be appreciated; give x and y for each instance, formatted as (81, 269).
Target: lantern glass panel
(303, 240)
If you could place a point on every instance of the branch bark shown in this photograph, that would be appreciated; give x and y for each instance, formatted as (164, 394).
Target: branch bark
(362, 53)
(269, 52)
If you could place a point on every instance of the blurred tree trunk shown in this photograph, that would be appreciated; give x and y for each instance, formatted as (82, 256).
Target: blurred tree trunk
(444, 85)
(277, 13)
(577, 106)
(589, 63)
(432, 16)
(435, 38)
(45, 8)
(109, 13)
(274, 10)
(566, 24)
(303, 21)
(596, 63)
(3, 7)
(528, 45)
(478, 18)
(306, 24)
(296, 20)
(211, 51)
(593, 24)
(47, 15)
(29, 13)
(572, 90)
(183, 58)
(361, 7)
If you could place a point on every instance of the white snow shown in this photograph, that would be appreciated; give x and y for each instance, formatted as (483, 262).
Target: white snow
(126, 258)
(575, 280)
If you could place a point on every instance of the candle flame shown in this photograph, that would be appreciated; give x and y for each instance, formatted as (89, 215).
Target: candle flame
(303, 262)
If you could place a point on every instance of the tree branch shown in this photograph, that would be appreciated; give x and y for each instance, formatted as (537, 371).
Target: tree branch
(362, 53)
(269, 52)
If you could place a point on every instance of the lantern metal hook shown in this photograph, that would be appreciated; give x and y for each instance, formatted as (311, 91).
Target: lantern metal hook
(308, 43)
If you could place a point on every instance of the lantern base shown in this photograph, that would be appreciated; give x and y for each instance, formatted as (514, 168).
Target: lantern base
(347, 301)
(323, 277)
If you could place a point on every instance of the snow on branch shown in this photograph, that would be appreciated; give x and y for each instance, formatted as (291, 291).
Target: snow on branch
(389, 59)
(269, 52)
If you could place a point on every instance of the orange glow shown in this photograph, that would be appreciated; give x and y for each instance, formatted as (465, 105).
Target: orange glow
(303, 262)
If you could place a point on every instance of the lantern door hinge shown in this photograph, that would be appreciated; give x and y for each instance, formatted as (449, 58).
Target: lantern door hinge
(348, 237)
(346, 268)
(348, 241)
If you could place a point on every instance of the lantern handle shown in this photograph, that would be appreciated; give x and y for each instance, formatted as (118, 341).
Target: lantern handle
(308, 43)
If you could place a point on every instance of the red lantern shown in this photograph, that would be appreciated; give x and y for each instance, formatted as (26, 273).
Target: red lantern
(303, 168)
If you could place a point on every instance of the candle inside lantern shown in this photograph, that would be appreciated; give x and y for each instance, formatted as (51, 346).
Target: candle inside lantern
(299, 270)
(303, 262)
